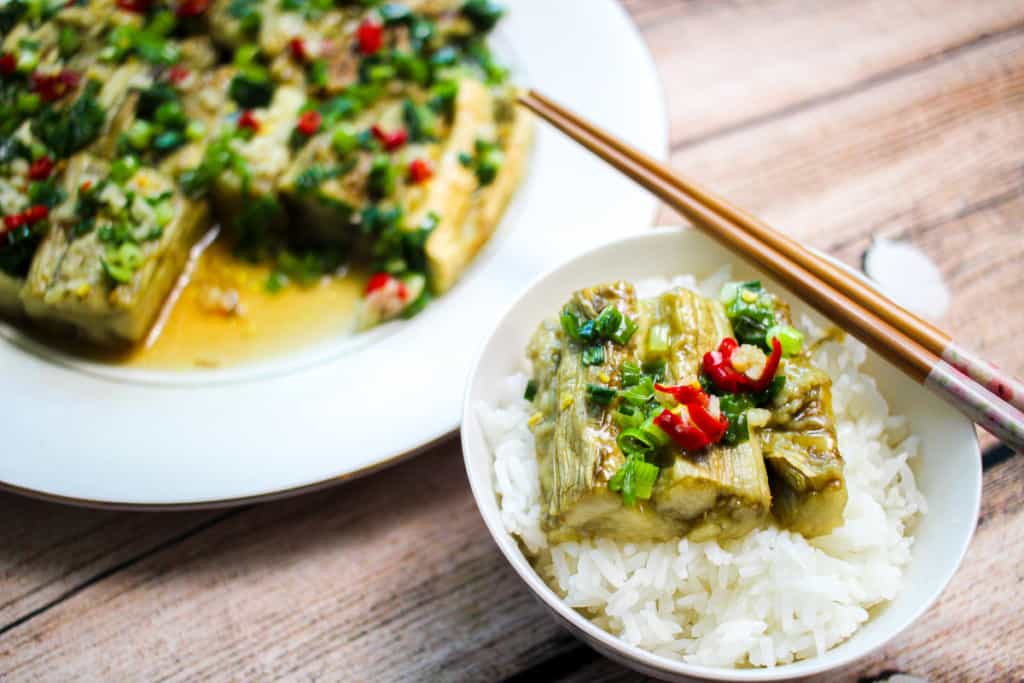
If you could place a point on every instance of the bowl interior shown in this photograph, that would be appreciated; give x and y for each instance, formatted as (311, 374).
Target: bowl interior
(948, 471)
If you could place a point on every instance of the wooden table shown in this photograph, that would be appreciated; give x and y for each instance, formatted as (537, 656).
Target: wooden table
(835, 120)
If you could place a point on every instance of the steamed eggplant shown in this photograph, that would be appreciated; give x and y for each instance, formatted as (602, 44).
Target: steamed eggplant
(112, 255)
(576, 441)
(654, 422)
(314, 135)
(721, 492)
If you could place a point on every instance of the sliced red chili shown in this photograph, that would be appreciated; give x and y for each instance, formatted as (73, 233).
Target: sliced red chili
(369, 36)
(718, 367)
(378, 281)
(249, 120)
(297, 46)
(40, 169)
(684, 394)
(35, 213)
(713, 427)
(770, 368)
(309, 122)
(420, 171)
(686, 435)
(52, 87)
(137, 6)
(192, 8)
(392, 140)
(13, 222)
(8, 64)
(177, 74)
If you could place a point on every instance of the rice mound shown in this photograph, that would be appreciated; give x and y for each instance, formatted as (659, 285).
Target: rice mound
(770, 598)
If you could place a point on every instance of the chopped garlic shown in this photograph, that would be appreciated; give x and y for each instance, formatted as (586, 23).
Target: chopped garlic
(749, 360)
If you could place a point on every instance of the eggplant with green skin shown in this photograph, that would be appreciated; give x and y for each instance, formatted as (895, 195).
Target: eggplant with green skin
(114, 253)
(576, 439)
(785, 463)
(801, 449)
(722, 491)
(802, 452)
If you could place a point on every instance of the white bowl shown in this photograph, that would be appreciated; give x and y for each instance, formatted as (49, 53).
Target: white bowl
(948, 472)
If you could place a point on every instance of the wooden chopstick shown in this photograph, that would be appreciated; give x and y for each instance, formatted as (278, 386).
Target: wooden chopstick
(1004, 385)
(806, 274)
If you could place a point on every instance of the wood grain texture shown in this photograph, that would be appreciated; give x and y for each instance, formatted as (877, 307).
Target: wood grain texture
(727, 64)
(835, 121)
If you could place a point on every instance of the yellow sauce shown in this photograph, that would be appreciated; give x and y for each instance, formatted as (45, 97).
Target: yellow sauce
(196, 329)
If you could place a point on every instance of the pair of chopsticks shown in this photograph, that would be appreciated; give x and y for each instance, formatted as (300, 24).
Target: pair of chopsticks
(991, 398)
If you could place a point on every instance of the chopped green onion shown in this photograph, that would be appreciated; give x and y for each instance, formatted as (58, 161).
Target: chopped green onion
(630, 374)
(195, 130)
(171, 114)
(68, 41)
(627, 328)
(656, 369)
(27, 61)
(657, 339)
(344, 139)
(120, 263)
(791, 339)
(380, 73)
(593, 355)
(140, 134)
(381, 181)
(729, 292)
(752, 313)
(600, 395)
(656, 433)
(570, 323)
(531, 390)
(627, 417)
(640, 393)
(29, 102)
(608, 321)
(635, 440)
(168, 140)
(483, 14)
(163, 213)
(644, 477)
(734, 407)
(588, 331)
(489, 159)
(635, 480)
(124, 168)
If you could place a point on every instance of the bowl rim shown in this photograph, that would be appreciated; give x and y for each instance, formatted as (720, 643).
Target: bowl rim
(604, 641)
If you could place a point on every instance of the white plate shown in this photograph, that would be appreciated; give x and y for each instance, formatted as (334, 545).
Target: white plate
(100, 435)
(948, 471)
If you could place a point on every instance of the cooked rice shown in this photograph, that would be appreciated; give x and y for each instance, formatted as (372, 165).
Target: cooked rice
(770, 598)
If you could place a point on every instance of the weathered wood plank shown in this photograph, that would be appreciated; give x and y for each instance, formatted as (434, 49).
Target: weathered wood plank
(49, 550)
(393, 574)
(727, 63)
(935, 157)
